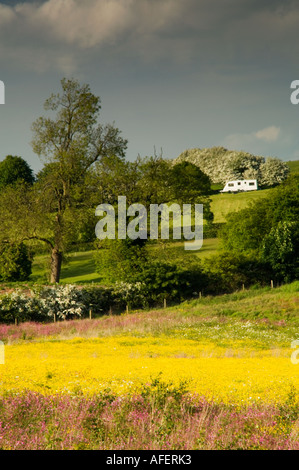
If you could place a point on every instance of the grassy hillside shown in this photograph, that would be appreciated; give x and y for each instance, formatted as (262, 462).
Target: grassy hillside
(80, 267)
(223, 203)
(294, 166)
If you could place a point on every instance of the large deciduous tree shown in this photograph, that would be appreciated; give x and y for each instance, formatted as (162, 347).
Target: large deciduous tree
(69, 140)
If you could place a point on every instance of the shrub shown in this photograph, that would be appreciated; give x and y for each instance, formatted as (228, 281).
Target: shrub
(227, 271)
(62, 301)
(19, 306)
(173, 281)
(15, 264)
(281, 250)
(116, 260)
(98, 299)
(42, 304)
(132, 294)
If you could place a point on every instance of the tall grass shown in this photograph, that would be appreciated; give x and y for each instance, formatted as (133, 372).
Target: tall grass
(161, 417)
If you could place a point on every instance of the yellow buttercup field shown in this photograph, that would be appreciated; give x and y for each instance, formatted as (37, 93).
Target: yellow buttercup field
(123, 363)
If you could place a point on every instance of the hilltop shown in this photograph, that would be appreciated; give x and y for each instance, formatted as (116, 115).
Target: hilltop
(293, 165)
(221, 165)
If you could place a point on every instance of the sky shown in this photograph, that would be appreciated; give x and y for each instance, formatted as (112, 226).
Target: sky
(171, 74)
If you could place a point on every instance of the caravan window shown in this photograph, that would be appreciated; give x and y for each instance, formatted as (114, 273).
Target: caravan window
(230, 184)
(239, 183)
(251, 184)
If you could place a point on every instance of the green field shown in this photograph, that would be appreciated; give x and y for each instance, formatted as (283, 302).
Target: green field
(223, 203)
(294, 166)
(80, 266)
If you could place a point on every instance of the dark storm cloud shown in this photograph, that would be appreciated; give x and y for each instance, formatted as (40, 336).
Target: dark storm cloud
(54, 33)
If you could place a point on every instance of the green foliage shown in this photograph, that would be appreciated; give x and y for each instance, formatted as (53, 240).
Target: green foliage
(246, 228)
(118, 260)
(281, 250)
(228, 271)
(151, 180)
(159, 393)
(56, 210)
(128, 262)
(284, 201)
(14, 170)
(270, 227)
(154, 184)
(98, 299)
(173, 281)
(111, 177)
(188, 182)
(15, 263)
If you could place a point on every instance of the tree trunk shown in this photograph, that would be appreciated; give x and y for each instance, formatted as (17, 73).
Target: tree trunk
(56, 259)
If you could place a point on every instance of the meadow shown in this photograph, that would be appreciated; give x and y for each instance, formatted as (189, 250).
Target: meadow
(294, 166)
(224, 203)
(212, 373)
(79, 266)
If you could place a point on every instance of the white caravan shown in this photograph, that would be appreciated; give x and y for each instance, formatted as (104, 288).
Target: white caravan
(240, 185)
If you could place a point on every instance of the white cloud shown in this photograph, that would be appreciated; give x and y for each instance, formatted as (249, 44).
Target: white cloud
(242, 141)
(93, 22)
(238, 141)
(269, 134)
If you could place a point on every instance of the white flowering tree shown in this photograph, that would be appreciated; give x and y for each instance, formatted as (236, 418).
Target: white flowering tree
(273, 171)
(222, 165)
(62, 301)
(132, 294)
(19, 306)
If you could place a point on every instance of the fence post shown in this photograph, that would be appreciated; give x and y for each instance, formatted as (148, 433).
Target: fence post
(165, 303)
(127, 308)
(271, 284)
(54, 317)
(90, 313)
(199, 295)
